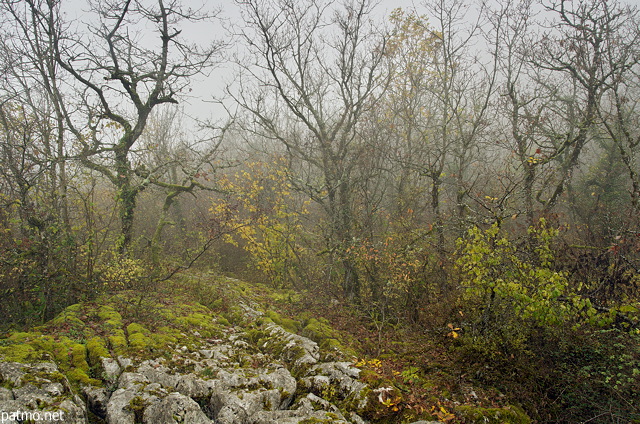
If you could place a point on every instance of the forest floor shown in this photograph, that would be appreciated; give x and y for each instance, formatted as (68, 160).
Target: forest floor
(413, 375)
(422, 367)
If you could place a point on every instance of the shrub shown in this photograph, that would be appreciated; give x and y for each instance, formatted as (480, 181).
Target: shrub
(505, 294)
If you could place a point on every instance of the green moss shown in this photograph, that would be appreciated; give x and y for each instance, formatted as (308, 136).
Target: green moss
(97, 349)
(139, 341)
(118, 342)
(110, 316)
(331, 344)
(68, 317)
(164, 337)
(201, 322)
(20, 353)
(197, 307)
(195, 319)
(234, 315)
(69, 354)
(80, 377)
(275, 346)
(288, 324)
(137, 406)
(508, 415)
(40, 378)
(134, 328)
(74, 308)
(254, 335)
(289, 296)
(317, 330)
(327, 338)
(44, 343)
(79, 357)
(16, 337)
(167, 314)
(62, 351)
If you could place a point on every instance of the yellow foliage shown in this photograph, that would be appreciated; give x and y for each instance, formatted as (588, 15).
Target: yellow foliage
(260, 214)
(121, 272)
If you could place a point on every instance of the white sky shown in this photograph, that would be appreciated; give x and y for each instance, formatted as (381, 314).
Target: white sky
(214, 84)
(198, 103)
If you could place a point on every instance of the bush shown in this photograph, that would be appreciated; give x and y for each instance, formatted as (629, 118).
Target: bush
(527, 332)
(507, 294)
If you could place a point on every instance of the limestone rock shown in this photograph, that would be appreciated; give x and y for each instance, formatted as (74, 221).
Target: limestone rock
(5, 394)
(97, 399)
(42, 399)
(111, 369)
(341, 375)
(295, 349)
(229, 379)
(175, 408)
(11, 372)
(118, 410)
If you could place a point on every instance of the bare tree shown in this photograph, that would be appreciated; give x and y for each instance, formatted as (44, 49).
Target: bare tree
(32, 161)
(570, 61)
(463, 89)
(176, 163)
(618, 110)
(411, 109)
(120, 77)
(522, 101)
(316, 71)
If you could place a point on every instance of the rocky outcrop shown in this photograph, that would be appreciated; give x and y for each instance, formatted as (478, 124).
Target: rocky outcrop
(256, 373)
(38, 393)
(246, 378)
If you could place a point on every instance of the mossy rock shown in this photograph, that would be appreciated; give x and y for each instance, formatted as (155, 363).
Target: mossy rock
(118, 343)
(70, 355)
(135, 328)
(19, 336)
(317, 330)
(165, 336)
(110, 316)
(62, 352)
(334, 346)
(69, 317)
(140, 342)
(327, 337)
(80, 377)
(79, 357)
(137, 406)
(96, 349)
(507, 415)
(194, 319)
(44, 343)
(217, 304)
(198, 320)
(23, 353)
(255, 335)
(234, 316)
(42, 377)
(78, 346)
(288, 324)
